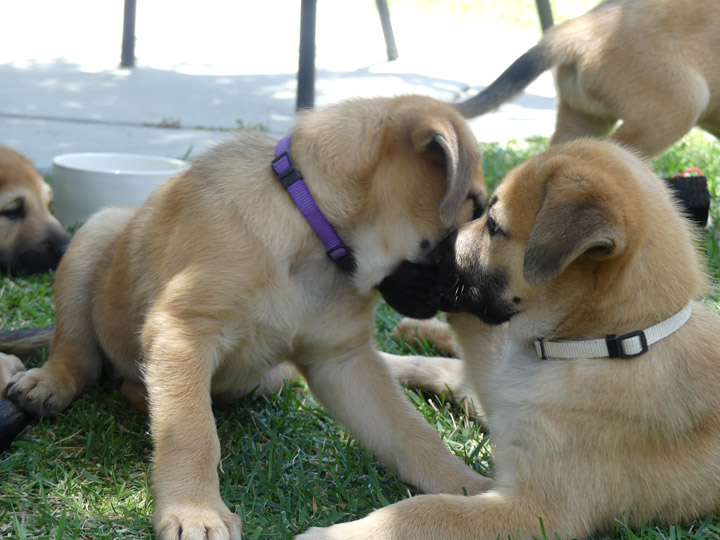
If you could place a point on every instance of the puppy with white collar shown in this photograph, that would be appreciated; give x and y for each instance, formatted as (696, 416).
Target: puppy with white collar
(579, 245)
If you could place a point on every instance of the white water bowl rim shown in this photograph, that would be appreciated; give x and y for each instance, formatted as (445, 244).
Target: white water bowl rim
(120, 164)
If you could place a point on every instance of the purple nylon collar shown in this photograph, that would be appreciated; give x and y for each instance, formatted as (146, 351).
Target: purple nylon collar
(292, 180)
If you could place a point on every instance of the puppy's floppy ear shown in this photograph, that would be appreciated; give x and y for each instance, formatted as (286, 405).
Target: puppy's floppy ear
(565, 230)
(439, 137)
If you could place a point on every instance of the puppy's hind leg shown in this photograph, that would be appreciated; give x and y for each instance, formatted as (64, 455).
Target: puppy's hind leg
(666, 116)
(572, 124)
(74, 362)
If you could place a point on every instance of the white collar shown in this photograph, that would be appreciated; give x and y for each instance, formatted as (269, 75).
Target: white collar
(626, 346)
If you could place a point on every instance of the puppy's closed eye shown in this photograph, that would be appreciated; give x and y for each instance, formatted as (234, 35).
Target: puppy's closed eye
(13, 211)
(492, 227)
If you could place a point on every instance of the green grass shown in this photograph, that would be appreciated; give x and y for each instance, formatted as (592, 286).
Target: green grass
(286, 464)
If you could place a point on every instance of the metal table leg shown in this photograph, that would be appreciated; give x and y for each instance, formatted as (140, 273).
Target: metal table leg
(306, 67)
(128, 40)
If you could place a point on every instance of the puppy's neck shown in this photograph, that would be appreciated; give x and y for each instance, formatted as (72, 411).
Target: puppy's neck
(337, 179)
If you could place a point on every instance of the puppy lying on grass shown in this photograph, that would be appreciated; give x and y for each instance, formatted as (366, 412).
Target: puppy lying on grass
(596, 368)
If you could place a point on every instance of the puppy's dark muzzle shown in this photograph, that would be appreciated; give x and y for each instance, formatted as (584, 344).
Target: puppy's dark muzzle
(412, 289)
(420, 289)
(39, 258)
(467, 285)
(443, 283)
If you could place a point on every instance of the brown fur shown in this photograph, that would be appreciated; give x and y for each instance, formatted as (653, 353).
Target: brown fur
(31, 238)
(578, 443)
(218, 279)
(649, 63)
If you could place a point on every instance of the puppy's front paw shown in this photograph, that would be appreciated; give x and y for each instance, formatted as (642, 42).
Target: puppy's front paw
(435, 331)
(40, 392)
(9, 366)
(189, 522)
(409, 329)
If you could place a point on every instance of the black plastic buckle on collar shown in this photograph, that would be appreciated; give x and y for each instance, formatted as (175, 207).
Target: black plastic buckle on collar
(289, 175)
(541, 341)
(615, 344)
(346, 262)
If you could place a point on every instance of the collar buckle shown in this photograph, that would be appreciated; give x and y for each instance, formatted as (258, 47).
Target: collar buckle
(628, 345)
(284, 169)
(617, 344)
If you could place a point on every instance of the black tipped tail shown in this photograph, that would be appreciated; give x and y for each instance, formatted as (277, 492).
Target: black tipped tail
(513, 80)
(23, 342)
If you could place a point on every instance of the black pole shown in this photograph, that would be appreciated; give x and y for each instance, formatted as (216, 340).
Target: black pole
(384, 12)
(306, 67)
(128, 40)
(545, 12)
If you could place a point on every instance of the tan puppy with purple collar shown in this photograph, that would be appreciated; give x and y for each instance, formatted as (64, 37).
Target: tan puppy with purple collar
(218, 279)
(579, 243)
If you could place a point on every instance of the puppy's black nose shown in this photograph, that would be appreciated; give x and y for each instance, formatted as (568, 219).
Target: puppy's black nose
(59, 246)
(46, 255)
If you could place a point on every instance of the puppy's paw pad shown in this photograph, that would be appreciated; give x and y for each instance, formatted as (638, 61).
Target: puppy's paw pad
(195, 523)
(38, 392)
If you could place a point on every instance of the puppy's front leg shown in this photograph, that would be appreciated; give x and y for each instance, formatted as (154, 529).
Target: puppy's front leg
(359, 391)
(482, 346)
(486, 516)
(181, 356)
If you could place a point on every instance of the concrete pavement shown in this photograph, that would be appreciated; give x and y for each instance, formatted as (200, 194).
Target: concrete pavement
(204, 69)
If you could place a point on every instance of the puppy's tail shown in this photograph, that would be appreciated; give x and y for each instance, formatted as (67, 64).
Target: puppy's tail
(25, 341)
(564, 43)
(512, 82)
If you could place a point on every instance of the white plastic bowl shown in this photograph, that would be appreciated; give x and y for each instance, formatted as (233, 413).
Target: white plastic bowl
(85, 183)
